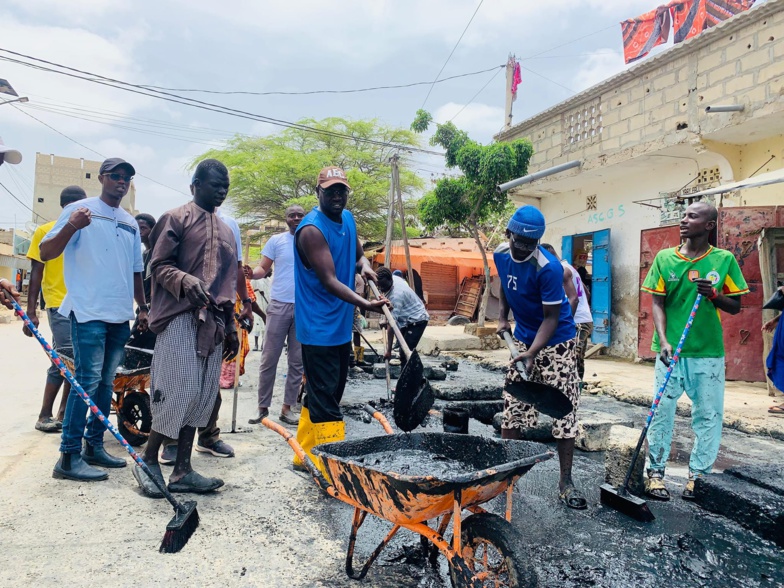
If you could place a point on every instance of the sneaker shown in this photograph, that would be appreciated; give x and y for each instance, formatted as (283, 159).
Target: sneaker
(168, 455)
(263, 413)
(48, 425)
(218, 449)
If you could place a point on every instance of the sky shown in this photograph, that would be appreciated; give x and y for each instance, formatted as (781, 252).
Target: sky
(294, 46)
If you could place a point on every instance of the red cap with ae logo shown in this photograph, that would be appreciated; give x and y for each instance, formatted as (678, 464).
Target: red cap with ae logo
(330, 176)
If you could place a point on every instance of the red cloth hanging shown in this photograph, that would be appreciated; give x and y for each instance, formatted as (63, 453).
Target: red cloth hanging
(516, 79)
(691, 17)
(645, 32)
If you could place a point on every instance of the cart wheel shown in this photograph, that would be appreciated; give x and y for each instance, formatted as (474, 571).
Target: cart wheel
(492, 551)
(134, 418)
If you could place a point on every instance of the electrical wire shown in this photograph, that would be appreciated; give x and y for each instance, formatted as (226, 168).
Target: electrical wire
(93, 150)
(310, 92)
(169, 97)
(536, 73)
(18, 200)
(482, 89)
(452, 53)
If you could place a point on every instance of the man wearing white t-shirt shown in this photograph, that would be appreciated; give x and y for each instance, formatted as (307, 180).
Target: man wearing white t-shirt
(280, 321)
(577, 293)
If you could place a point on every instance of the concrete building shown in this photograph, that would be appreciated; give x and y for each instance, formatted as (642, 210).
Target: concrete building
(646, 141)
(53, 173)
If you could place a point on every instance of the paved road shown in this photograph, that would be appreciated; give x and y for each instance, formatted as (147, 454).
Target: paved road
(270, 526)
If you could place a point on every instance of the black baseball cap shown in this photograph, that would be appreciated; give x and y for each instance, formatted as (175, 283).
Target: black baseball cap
(113, 163)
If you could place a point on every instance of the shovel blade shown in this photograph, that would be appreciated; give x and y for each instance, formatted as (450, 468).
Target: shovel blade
(626, 503)
(413, 395)
(546, 399)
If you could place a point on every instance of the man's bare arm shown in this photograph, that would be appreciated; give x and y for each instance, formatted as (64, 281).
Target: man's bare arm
(261, 270)
(571, 291)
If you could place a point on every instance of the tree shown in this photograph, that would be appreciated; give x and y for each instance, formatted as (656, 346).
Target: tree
(472, 199)
(270, 173)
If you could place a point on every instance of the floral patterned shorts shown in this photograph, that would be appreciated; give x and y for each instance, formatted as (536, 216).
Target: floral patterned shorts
(555, 366)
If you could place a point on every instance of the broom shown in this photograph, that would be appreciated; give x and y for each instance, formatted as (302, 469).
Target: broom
(186, 517)
(620, 499)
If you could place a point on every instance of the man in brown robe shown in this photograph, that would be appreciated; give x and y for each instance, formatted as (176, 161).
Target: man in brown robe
(194, 273)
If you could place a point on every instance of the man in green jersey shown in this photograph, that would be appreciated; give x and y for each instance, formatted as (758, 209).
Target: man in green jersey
(675, 279)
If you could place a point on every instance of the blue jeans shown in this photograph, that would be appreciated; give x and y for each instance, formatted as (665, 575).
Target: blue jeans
(98, 347)
(702, 378)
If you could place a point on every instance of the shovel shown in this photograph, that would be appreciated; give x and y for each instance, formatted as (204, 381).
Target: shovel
(413, 395)
(544, 398)
(620, 499)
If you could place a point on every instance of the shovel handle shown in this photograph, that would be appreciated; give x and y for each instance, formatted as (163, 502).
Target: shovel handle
(392, 322)
(510, 344)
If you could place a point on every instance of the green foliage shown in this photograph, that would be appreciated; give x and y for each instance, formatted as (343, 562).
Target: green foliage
(270, 173)
(469, 201)
(422, 120)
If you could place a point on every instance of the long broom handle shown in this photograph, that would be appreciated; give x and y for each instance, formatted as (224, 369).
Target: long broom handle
(393, 323)
(60, 365)
(656, 399)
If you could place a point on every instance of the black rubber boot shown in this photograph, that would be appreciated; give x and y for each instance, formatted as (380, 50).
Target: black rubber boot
(71, 466)
(97, 456)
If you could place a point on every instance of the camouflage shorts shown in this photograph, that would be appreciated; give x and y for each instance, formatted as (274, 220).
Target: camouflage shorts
(556, 366)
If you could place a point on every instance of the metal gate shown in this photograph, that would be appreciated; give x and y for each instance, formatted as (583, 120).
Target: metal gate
(651, 242)
(439, 283)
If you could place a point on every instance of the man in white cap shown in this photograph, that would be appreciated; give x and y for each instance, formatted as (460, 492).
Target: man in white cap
(8, 155)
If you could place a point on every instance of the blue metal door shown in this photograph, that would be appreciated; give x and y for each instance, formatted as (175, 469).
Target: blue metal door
(601, 288)
(567, 246)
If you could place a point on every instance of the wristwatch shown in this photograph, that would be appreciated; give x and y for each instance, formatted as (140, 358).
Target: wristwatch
(247, 301)
(144, 307)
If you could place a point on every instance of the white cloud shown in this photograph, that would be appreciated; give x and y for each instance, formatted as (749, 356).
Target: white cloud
(480, 121)
(598, 67)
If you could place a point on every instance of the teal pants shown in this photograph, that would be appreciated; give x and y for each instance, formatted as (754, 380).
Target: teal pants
(702, 378)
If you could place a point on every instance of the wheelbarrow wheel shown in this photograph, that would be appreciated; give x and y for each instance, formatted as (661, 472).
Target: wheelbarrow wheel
(492, 550)
(134, 418)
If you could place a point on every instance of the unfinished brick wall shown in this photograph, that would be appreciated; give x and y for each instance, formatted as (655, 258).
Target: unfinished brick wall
(662, 100)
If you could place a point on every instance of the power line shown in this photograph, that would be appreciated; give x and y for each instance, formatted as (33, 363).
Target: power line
(177, 99)
(482, 89)
(18, 200)
(612, 26)
(452, 53)
(91, 150)
(310, 92)
(548, 79)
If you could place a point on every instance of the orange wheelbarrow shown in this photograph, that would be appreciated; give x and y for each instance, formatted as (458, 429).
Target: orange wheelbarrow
(485, 549)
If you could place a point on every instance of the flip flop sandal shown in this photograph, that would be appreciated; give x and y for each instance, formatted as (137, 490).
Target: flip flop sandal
(48, 425)
(776, 411)
(688, 490)
(573, 498)
(195, 483)
(148, 487)
(655, 488)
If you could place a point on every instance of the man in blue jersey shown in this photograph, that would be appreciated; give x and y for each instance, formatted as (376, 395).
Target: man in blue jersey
(532, 287)
(328, 255)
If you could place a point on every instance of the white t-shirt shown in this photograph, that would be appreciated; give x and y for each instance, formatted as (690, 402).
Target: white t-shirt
(99, 263)
(280, 249)
(583, 314)
(235, 228)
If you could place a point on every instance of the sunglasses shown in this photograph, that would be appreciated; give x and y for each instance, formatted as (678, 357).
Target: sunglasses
(118, 177)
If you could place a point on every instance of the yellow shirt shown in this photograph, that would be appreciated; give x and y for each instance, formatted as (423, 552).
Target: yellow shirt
(53, 283)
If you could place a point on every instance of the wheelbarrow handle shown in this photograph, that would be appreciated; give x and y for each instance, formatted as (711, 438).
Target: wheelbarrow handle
(372, 411)
(510, 344)
(392, 322)
(288, 436)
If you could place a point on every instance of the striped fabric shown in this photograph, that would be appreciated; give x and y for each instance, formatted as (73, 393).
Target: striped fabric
(183, 386)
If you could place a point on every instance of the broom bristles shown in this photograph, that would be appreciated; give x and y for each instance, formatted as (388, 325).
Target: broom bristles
(180, 528)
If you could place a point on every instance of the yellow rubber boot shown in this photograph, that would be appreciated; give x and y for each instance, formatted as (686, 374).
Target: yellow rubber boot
(327, 433)
(306, 436)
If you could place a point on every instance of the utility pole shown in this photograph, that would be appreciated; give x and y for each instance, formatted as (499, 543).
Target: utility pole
(510, 67)
(390, 220)
(402, 212)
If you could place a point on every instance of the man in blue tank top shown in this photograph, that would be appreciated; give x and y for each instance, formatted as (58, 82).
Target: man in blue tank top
(532, 287)
(328, 255)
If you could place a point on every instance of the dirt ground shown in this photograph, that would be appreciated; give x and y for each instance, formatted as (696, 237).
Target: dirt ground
(270, 526)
